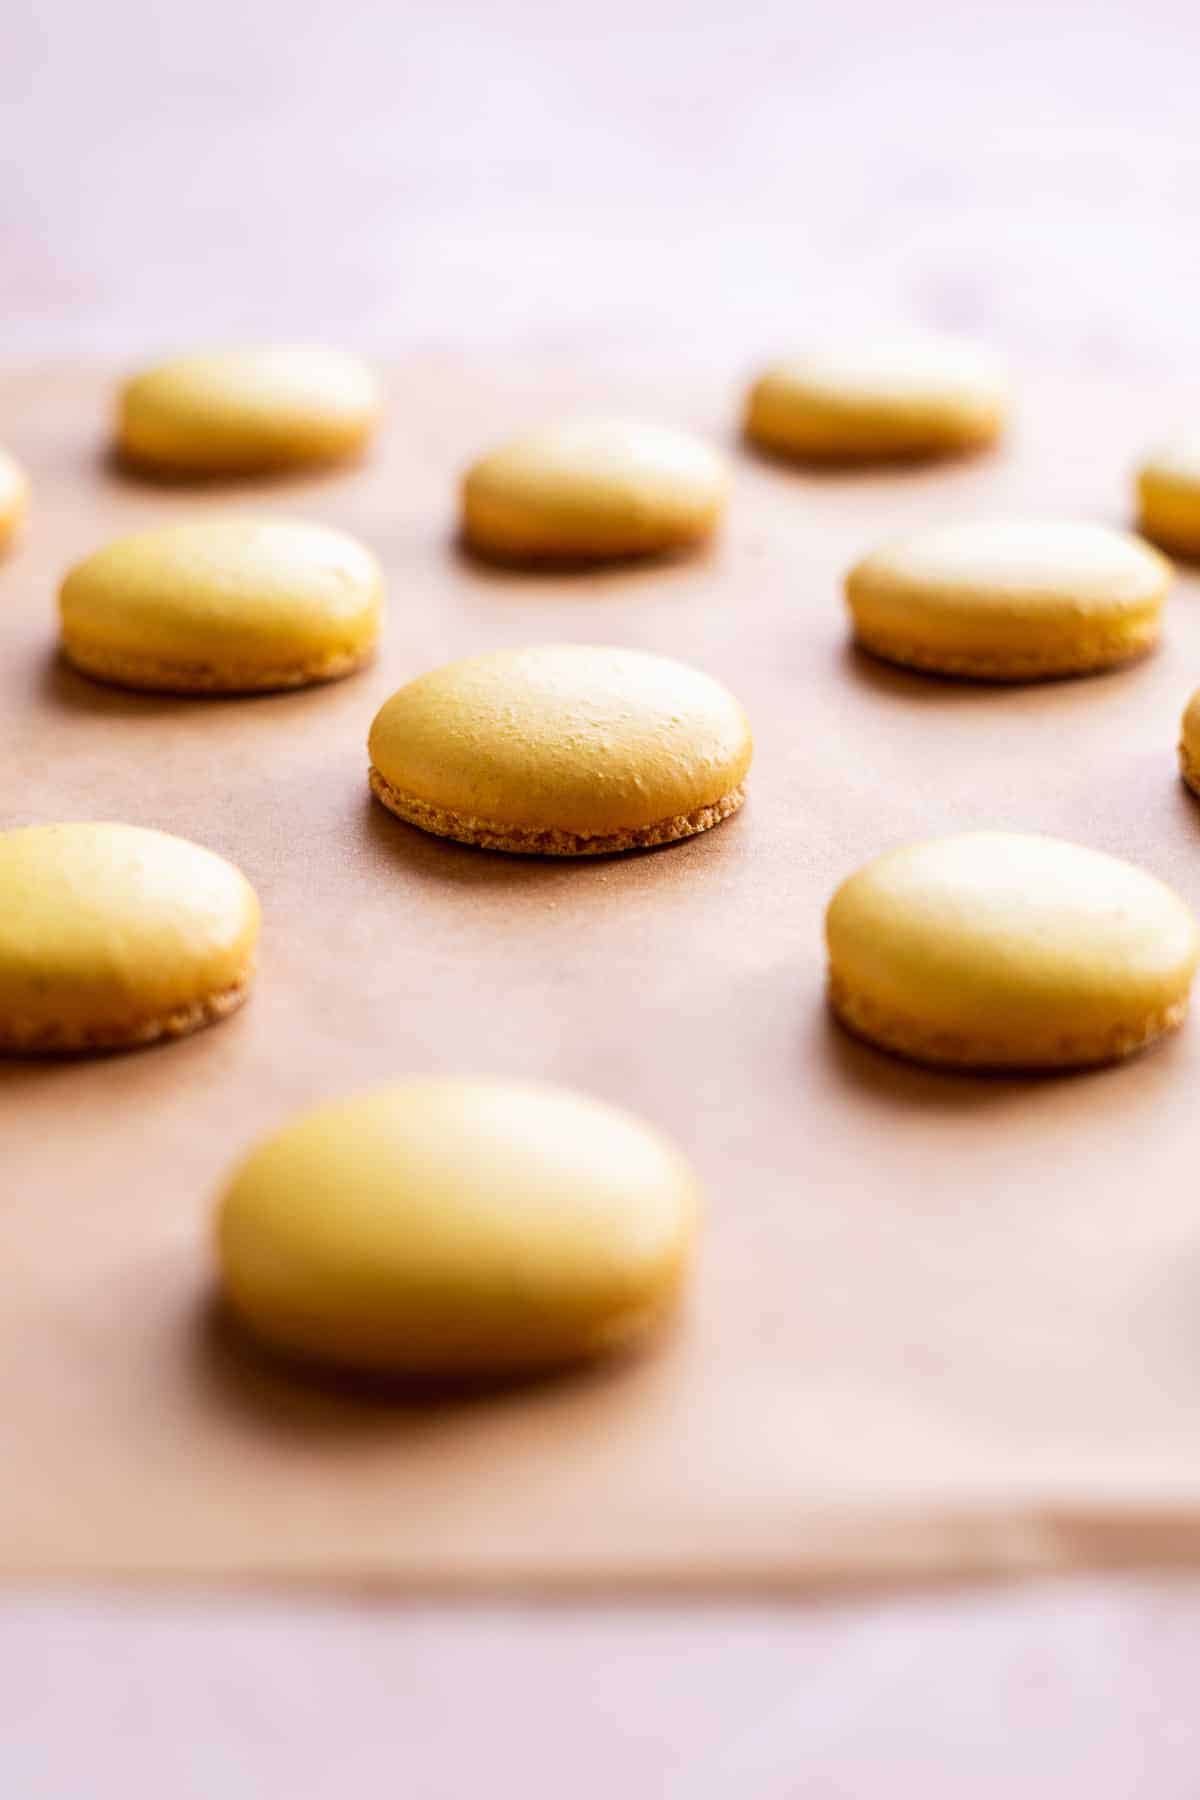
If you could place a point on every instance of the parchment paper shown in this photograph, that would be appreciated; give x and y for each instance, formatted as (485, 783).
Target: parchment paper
(941, 1324)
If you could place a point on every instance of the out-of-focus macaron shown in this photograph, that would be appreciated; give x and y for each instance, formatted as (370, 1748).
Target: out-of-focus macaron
(457, 1228)
(112, 936)
(14, 498)
(593, 490)
(247, 411)
(1010, 600)
(875, 399)
(223, 606)
(996, 949)
(1169, 498)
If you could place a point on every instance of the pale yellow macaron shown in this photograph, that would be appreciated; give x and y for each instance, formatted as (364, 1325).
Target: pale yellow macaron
(876, 399)
(14, 498)
(227, 605)
(1169, 497)
(591, 490)
(1189, 743)
(562, 750)
(247, 411)
(111, 936)
(1000, 950)
(457, 1228)
(1009, 600)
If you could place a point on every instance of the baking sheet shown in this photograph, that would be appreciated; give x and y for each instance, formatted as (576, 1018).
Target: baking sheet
(941, 1324)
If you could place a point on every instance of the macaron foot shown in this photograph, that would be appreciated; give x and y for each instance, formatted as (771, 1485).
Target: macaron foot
(1087, 657)
(155, 674)
(915, 1042)
(62, 1040)
(490, 834)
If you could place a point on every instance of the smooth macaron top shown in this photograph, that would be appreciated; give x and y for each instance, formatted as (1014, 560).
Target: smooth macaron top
(226, 600)
(1169, 496)
(594, 487)
(1189, 742)
(1025, 589)
(879, 398)
(1023, 946)
(245, 410)
(14, 497)
(107, 930)
(457, 1226)
(564, 737)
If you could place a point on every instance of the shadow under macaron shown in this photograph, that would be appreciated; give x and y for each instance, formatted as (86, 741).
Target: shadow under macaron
(119, 468)
(512, 570)
(894, 465)
(310, 1397)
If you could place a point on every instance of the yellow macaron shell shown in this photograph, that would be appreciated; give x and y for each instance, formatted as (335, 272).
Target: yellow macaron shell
(457, 1227)
(1010, 599)
(1189, 743)
(244, 411)
(113, 935)
(998, 949)
(562, 748)
(878, 399)
(1169, 497)
(14, 498)
(231, 604)
(591, 489)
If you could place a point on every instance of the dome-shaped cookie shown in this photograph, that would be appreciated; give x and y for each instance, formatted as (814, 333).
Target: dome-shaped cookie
(561, 750)
(591, 490)
(14, 498)
(1010, 599)
(223, 606)
(877, 399)
(247, 411)
(1169, 497)
(1000, 950)
(457, 1227)
(112, 935)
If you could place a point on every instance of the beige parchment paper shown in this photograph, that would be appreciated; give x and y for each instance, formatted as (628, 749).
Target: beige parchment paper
(941, 1325)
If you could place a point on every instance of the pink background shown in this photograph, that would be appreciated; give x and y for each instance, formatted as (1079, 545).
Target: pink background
(715, 179)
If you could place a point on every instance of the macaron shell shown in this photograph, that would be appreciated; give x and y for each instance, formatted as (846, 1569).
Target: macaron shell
(878, 399)
(1169, 498)
(571, 739)
(241, 411)
(1189, 743)
(996, 949)
(1010, 599)
(14, 498)
(113, 935)
(453, 1227)
(223, 605)
(592, 489)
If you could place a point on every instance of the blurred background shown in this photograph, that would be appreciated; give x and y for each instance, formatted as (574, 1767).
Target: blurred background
(710, 177)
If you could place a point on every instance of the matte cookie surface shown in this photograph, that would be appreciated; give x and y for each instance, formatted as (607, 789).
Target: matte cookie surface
(223, 606)
(457, 1228)
(112, 936)
(876, 400)
(1169, 498)
(1189, 743)
(1001, 950)
(563, 750)
(247, 411)
(14, 498)
(1010, 600)
(593, 490)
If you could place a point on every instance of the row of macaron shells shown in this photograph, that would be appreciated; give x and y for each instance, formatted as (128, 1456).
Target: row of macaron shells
(590, 490)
